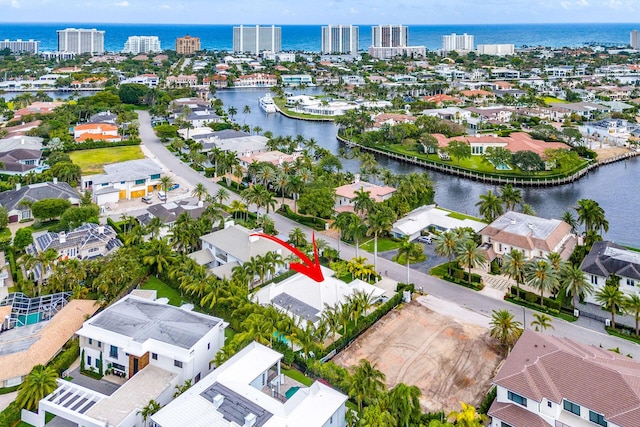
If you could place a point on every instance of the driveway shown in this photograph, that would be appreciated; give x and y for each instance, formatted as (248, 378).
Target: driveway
(101, 386)
(424, 266)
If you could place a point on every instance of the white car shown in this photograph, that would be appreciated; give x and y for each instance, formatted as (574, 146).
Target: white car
(162, 196)
(424, 239)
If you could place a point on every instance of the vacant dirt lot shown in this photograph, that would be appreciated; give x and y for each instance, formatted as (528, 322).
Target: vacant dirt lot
(449, 361)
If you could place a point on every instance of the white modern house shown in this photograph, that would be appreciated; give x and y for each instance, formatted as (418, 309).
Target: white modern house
(222, 250)
(304, 299)
(607, 258)
(154, 345)
(249, 390)
(556, 382)
(412, 224)
(126, 180)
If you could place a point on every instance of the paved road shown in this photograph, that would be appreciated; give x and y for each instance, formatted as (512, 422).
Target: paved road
(583, 330)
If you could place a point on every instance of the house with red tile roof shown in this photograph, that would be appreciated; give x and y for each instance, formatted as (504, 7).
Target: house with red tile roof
(96, 132)
(517, 141)
(346, 194)
(477, 96)
(442, 98)
(557, 382)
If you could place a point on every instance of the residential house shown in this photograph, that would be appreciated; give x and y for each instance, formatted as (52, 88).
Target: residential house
(169, 212)
(182, 80)
(492, 114)
(104, 117)
(40, 107)
(275, 157)
(96, 132)
(256, 80)
(304, 300)
(126, 180)
(85, 242)
(18, 202)
(517, 141)
(346, 194)
(34, 330)
(154, 345)
(250, 390)
(391, 119)
(149, 80)
(219, 81)
(22, 161)
(478, 96)
(442, 99)
(535, 237)
(296, 79)
(548, 381)
(427, 216)
(585, 109)
(232, 246)
(606, 258)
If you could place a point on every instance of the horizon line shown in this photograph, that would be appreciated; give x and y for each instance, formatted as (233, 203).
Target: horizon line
(315, 25)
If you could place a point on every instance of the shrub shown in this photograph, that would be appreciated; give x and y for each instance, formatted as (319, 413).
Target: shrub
(11, 415)
(313, 222)
(66, 357)
(405, 287)
(487, 401)
(529, 297)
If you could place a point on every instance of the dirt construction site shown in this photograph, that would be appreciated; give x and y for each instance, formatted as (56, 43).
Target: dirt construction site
(450, 358)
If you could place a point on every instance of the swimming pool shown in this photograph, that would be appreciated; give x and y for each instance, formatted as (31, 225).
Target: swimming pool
(291, 392)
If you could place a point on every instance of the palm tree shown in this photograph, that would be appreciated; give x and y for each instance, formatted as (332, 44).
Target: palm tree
(571, 220)
(410, 251)
(541, 322)
(470, 256)
(404, 404)
(40, 382)
(199, 191)
(446, 246)
(367, 382)
(505, 328)
(375, 416)
(612, 299)
(237, 207)
(158, 255)
(513, 265)
(151, 408)
(632, 306)
(468, 417)
(576, 284)
(165, 183)
(362, 202)
(379, 221)
(539, 274)
(490, 206)
(297, 238)
(221, 195)
(591, 215)
(356, 230)
(341, 223)
(232, 111)
(510, 197)
(246, 110)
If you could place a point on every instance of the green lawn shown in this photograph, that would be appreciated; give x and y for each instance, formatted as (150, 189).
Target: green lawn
(297, 375)
(164, 290)
(384, 244)
(401, 260)
(461, 216)
(550, 99)
(92, 161)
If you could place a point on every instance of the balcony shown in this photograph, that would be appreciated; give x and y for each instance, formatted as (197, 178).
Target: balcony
(559, 424)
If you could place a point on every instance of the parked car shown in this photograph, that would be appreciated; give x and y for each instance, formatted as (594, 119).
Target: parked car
(424, 239)
(162, 196)
(147, 199)
(173, 187)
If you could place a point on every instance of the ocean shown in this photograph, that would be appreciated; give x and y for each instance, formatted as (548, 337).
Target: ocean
(307, 37)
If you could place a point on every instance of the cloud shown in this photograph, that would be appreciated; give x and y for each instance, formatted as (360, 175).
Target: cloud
(165, 6)
(578, 4)
(614, 4)
(124, 3)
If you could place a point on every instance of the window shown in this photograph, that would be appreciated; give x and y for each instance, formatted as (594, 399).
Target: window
(631, 282)
(594, 280)
(154, 356)
(549, 404)
(140, 181)
(92, 250)
(597, 418)
(520, 400)
(503, 424)
(97, 363)
(155, 176)
(208, 346)
(113, 352)
(571, 407)
(177, 364)
(89, 360)
(99, 344)
(90, 341)
(123, 182)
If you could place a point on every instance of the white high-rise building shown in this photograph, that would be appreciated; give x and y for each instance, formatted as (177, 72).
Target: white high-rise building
(19, 46)
(457, 42)
(142, 44)
(389, 35)
(81, 40)
(340, 39)
(635, 39)
(257, 39)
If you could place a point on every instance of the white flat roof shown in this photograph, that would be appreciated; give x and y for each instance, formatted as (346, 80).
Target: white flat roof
(424, 216)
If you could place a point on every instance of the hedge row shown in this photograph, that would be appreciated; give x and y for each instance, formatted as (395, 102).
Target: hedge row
(67, 356)
(533, 298)
(88, 145)
(313, 222)
(463, 281)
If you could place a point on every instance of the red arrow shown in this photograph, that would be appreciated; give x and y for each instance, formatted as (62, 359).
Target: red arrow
(310, 268)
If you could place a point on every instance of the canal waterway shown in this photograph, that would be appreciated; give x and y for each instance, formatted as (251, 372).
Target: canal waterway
(614, 187)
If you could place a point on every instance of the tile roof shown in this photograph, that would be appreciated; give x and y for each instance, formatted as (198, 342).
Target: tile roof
(515, 415)
(10, 199)
(376, 192)
(542, 366)
(607, 257)
(46, 338)
(527, 231)
(234, 240)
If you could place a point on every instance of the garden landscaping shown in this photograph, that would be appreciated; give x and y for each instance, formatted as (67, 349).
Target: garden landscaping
(92, 161)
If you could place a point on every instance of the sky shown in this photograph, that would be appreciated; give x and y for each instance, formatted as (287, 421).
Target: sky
(315, 12)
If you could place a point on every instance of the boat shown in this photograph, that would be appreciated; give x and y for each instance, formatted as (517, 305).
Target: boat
(267, 104)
